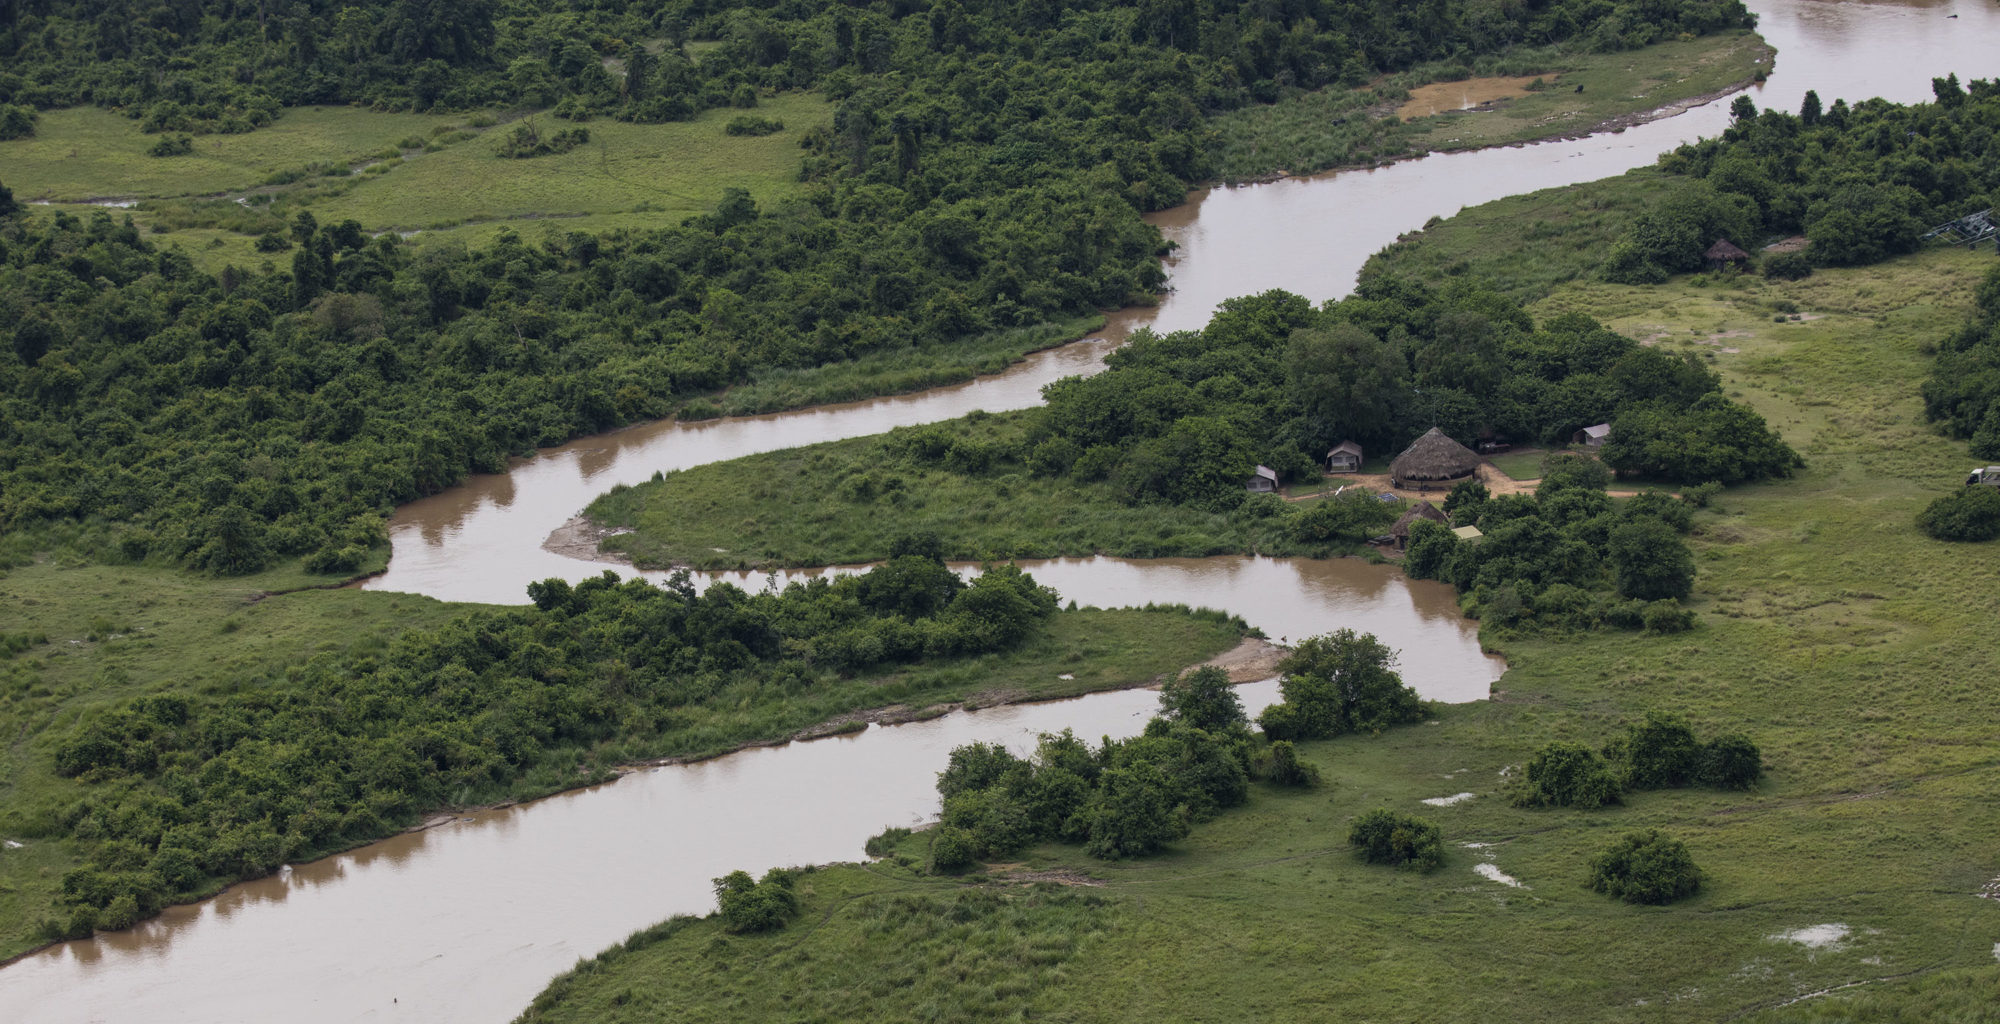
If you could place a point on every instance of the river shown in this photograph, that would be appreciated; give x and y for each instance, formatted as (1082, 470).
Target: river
(466, 922)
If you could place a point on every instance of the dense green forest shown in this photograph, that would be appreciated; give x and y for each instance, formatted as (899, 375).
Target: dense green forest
(984, 171)
(1861, 183)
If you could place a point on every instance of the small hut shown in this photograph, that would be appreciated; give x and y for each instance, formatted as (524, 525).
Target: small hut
(1469, 534)
(1265, 481)
(1724, 253)
(1592, 437)
(1421, 510)
(1432, 459)
(1344, 457)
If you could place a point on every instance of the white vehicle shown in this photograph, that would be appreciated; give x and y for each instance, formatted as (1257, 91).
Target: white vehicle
(1988, 475)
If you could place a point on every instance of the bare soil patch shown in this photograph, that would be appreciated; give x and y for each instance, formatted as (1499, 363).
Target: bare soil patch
(1471, 94)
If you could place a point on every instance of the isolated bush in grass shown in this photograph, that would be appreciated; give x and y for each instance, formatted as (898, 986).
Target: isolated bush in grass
(753, 906)
(1384, 837)
(1730, 762)
(1566, 774)
(1650, 561)
(1646, 867)
(1287, 770)
(1972, 514)
(1658, 752)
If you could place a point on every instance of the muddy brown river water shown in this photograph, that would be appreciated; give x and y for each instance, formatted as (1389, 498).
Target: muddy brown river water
(466, 922)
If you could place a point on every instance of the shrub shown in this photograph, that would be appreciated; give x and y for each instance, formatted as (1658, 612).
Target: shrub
(753, 124)
(1700, 495)
(172, 145)
(747, 906)
(272, 241)
(952, 849)
(1787, 266)
(1646, 867)
(1133, 813)
(1384, 837)
(16, 121)
(1666, 616)
(1659, 752)
(1568, 775)
(884, 843)
(1973, 514)
(1287, 770)
(1730, 762)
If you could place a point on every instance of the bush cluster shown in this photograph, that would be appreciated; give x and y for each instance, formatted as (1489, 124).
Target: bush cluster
(747, 905)
(1657, 752)
(1382, 836)
(1970, 514)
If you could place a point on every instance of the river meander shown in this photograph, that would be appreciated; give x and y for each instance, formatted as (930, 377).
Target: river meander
(466, 922)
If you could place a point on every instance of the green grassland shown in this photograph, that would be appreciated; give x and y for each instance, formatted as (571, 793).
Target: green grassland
(437, 176)
(1856, 652)
(835, 503)
(1341, 127)
(1529, 244)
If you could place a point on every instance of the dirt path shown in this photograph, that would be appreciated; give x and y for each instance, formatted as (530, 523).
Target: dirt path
(1497, 482)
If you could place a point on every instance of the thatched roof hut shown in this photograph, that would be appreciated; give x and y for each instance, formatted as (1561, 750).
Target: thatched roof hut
(1421, 510)
(1723, 253)
(1433, 458)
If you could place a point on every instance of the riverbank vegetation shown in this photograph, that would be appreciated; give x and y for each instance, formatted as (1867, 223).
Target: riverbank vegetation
(149, 771)
(1560, 90)
(1868, 704)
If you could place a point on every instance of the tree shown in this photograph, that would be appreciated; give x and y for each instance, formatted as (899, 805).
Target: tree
(1202, 698)
(1339, 683)
(1346, 383)
(1287, 770)
(1565, 774)
(1650, 561)
(977, 766)
(1809, 110)
(1384, 837)
(1647, 868)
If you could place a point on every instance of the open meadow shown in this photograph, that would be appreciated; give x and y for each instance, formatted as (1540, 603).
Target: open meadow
(1857, 653)
(435, 178)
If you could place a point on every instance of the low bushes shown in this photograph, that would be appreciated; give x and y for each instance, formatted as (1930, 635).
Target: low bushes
(1972, 514)
(1647, 868)
(1384, 837)
(1657, 752)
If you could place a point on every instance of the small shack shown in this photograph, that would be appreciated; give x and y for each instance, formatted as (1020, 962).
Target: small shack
(1468, 534)
(1724, 253)
(1986, 475)
(1432, 459)
(1593, 436)
(1344, 457)
(1421, 510)
(1264, 481)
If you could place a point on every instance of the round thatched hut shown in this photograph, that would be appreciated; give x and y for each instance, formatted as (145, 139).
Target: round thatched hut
(1432, 458)
(1421, 510)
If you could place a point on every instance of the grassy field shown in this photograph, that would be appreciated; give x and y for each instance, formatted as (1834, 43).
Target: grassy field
(843, 501)
(1341, 127)
(1856, 652)
(1526, 245)
(436, 175)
